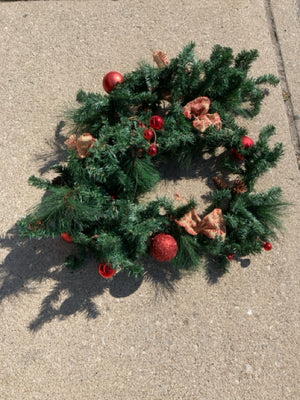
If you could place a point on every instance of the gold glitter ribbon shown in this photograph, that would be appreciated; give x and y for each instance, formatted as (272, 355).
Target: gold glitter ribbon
(161, 58)
(198, 110)
(82, 144)
(212, 225)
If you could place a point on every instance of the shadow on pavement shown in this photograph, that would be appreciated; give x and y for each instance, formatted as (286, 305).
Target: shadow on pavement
(31, 262)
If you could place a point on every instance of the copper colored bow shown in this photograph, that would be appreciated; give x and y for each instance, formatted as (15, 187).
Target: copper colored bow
(198, 110)
(212, 225)
(82, 144)
(161, 58)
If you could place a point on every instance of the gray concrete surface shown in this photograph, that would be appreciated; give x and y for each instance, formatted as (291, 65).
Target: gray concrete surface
(285, 22)
(72, 336)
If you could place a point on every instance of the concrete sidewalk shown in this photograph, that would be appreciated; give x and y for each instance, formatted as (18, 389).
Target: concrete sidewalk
(73, 336)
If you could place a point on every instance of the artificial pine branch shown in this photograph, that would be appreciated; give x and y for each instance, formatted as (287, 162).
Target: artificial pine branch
(245, 59)
(189, 254)
(39, 182)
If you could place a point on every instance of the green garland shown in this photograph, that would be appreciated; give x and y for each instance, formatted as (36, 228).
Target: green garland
(95, 197)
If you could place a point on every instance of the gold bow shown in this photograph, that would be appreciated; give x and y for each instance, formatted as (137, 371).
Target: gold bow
(198, 110)
(212, 225)
(82, 144)
(161, 58)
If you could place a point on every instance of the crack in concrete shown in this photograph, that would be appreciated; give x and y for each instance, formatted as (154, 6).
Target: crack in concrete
(295, 135)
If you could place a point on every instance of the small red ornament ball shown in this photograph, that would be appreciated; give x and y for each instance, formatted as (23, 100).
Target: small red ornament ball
(66, 237)
(268, 246)
(237, 155)
(163, 247)
(39, 225)
(140, 153)
(247, 142)
(111, 80)
(141, 124)
(106, 270)
(230, 257)
(156, 122)
(153, 150)
(148, 134)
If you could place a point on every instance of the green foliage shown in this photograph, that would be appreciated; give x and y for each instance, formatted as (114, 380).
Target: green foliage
(189, 254)
(98, 200)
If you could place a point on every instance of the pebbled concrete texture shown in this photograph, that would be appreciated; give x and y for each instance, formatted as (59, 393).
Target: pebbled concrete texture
(75, 336)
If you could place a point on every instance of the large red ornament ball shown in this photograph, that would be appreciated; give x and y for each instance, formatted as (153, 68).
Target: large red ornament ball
(230, 257)
(106, 270)
(111, 80)
(268, 246)
(66, 237)
(153, 150)
(164, 247)
(247, 142)
(156, 122)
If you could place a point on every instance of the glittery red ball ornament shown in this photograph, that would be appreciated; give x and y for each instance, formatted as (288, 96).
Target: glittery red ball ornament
(148, 134)
(140, 153)
(106, 270)
(163, 247)
(66, 237)
(142, 124)
(34, 226)
(156, 122)
(268, 246)
(153, 150)
(237, 155)
(247, 142)
(230, 257)
(111, 80)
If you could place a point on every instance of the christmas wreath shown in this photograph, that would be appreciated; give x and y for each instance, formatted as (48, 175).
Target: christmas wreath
(174, 110)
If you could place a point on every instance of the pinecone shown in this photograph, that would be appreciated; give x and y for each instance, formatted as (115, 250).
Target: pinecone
(137, 153)
(220, 184)
(58, 181)
(239, 187)
(167, 95)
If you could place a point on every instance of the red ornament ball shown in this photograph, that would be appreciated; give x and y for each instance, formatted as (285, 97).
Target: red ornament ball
(268, 246)
(153, 150)
(230, 257)
(66, 237)
(237, 155)
(247, 142)
(156, 122)
(148, 134)
(140, 153)
(141, 124)
(106, 270)
(111, 80)
(163, 247)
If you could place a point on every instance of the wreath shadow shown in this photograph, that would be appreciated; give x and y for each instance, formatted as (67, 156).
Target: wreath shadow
(34, 263)
(203, 166)
(31, 263)
(57, 153)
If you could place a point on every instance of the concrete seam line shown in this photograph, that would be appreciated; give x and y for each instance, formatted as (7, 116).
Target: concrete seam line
(289, 107)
